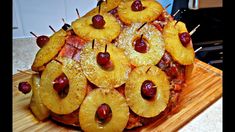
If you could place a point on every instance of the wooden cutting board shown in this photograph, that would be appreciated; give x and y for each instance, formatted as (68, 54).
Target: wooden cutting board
(202, 90)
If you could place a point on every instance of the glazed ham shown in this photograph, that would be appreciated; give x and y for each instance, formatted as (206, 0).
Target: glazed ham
(73, 47)
(175, 73)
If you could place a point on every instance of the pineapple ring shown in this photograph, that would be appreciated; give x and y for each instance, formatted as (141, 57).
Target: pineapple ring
(155, 43)
(152, 10)
(184, 55)
(97, 75)
(83, 28)
(36, 105)
(77, 84)
(117, 103)
(50, 50)
(134, 99)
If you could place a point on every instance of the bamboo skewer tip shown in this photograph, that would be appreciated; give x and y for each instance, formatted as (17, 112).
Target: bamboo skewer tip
(191, 33)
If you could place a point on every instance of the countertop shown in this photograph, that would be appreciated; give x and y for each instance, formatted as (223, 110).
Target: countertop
(24, 50)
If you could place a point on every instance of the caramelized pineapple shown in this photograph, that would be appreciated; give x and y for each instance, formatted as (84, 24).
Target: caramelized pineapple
(69, 119)
(183, 54)
(142, 100)
(99, 75)
(49, 50)
(84, 28)
(151, 10)
(105, 7)
(76, 90)
(39, 110)
(154, 43)
(90, 111)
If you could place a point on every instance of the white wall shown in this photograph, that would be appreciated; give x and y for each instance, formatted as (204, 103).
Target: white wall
(37, 15)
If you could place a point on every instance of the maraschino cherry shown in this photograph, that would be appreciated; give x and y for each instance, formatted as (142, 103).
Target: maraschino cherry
(103, 113)
(103, 57)
(137, 6)
(60, 84)
(98, 21)
(41, 40)
(185, 38)
(24, 87)
(140, 45)
(148, 90)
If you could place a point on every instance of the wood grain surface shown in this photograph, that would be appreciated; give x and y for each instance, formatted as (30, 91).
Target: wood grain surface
(203, 89)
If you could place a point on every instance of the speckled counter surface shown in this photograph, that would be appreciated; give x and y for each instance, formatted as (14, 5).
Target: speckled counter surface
(210, 120)
(24, 51)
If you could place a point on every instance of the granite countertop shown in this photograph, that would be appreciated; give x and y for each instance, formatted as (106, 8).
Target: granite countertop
(24, 51)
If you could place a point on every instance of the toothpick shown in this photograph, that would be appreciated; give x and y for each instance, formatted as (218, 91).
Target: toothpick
(176, 13)
(141, 26)
(77, 13)
(93, 43)
(99, 8)
(154, 86)
(148, 70)
(58, 61)
(167, 6)
(191, 33)
(197, 49)
(141, 36)
(34, 34)
(99, 4)
(63, 20)
(176, 22)
(52, 28)
(27, 72)
(105, 48)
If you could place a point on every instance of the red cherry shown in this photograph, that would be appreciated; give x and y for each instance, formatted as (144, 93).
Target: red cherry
(103, 58)
(104, 113)
(137, 6)
(24, 87)
(147, 90)
(42, 40)
(185, 38)
(98, 21)
(140, 45)
(60, 83)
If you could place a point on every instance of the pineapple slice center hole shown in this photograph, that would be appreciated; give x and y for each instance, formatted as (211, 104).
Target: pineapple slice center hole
(103, 114)
(61, 85)
(148, 90)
